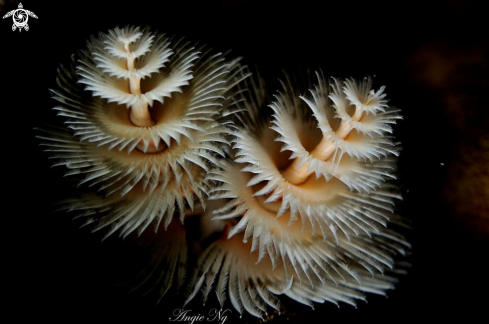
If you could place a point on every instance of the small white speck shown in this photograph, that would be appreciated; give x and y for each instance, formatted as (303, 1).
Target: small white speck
(442, 163)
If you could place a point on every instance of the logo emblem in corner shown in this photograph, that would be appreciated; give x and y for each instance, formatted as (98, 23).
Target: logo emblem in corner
(20, 17)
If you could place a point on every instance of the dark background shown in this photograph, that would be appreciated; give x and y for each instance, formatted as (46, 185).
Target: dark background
(433, 56)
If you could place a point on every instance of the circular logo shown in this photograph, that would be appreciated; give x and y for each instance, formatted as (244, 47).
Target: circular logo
(20, 18)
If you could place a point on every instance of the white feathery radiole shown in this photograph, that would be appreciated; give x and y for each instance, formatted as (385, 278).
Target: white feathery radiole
(228, 268)
(159, 153)
(257, 198)
(310, 186)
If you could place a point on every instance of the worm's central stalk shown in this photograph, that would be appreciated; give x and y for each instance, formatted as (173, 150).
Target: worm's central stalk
(297, 175)
(139, 114)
